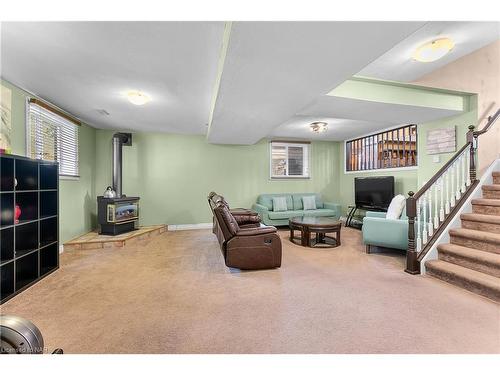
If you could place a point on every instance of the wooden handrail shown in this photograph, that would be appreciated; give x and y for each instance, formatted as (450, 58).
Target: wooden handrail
(413, 257)
(491, 121)
(438, 174)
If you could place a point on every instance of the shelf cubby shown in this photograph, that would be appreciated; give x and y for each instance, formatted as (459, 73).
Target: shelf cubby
(48, 231)
(6, 209)
(6, 244)
(26, 238)
(28, 203)
(26, 174)
(49, 174)
(48, 203)
(6, 174)
(6, 280)
(49, 258)
(26, 270)
(29, 249)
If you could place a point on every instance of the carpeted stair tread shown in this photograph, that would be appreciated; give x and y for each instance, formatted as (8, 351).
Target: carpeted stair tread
(474, 281)
(494, 187)
(486, 202)
(493, 219)
(476, 235)
(482, 261)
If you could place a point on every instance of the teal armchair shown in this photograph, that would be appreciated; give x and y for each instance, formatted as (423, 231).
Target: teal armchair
(379, 231)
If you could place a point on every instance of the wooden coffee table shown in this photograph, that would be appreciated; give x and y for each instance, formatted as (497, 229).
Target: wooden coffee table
(321, 226)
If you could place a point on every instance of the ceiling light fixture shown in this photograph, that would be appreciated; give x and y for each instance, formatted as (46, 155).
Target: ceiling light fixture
(318, 127)
(434, 50)
(137, 97)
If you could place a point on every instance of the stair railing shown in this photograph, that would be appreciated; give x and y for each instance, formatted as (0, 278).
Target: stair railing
(433, 206)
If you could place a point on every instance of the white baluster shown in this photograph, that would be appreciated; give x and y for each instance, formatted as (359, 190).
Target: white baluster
(436, 217)
(419, 238)
(467, 168)
(430, 228)
(424, 225)
(441, 203)
(452, 180)
(447, 205)
(464, 178)
(457, 171)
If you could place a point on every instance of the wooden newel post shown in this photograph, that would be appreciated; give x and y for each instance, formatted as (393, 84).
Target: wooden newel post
(472, 156)
(412, 265)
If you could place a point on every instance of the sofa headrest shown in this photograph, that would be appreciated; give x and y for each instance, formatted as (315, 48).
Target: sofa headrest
(215, 199)
(297, 200)
(226, 221)
(267, 200)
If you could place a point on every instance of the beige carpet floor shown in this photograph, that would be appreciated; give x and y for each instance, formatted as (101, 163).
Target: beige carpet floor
(173, 294)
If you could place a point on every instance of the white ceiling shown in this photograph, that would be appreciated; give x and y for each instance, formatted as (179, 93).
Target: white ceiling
(272, 69)
(272, 83)
(398, 65)
(85, 66)
(349, 118)
(338, 129)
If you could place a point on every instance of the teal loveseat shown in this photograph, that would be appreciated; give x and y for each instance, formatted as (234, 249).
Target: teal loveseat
(390, 233)
(264, 207)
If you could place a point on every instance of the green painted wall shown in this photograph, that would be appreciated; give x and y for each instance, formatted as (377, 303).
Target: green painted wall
(174, 173)
(427, 167)
(76, 197)
(399, 93)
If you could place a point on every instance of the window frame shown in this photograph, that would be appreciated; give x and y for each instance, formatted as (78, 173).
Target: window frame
(306, 159)
(65, 117)
(381, 170)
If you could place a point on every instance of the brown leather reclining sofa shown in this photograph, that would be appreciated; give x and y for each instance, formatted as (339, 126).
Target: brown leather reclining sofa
(245, 243)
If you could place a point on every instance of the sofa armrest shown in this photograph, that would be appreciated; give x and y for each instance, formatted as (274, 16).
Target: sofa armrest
(385, 232)
(376, 214)
(260, 209)
(247, 219)
(333, 206)
(256, 231)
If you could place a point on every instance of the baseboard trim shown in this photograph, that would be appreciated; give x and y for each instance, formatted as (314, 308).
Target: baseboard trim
(189, 226)
(61, 249)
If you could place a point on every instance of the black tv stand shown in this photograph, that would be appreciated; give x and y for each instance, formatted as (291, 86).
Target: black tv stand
(350, 215)
(352, 212)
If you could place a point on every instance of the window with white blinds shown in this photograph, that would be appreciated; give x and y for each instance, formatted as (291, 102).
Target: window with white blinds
(289, 160)
(51, 136)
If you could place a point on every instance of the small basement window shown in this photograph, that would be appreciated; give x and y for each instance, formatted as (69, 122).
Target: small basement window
(52, 135)
(289, 159)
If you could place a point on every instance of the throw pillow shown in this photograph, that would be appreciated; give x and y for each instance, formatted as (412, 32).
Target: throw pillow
(279, 204)
(309, 202)
(396, 207)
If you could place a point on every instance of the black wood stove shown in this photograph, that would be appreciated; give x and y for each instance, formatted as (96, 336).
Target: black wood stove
(119, 214)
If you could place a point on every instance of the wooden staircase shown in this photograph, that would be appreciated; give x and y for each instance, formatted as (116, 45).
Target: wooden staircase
(472, 258)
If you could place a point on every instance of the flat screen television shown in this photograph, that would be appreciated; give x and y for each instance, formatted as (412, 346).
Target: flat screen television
(373, 193)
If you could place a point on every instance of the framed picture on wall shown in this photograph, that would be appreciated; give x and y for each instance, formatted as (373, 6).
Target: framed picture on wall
(440, 141)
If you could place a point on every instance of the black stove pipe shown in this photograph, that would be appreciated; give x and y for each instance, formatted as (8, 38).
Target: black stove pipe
(119, 140)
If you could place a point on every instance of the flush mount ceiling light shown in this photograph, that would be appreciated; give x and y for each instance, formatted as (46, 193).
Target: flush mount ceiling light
(434, 50)
(137, 97)
(318, 127)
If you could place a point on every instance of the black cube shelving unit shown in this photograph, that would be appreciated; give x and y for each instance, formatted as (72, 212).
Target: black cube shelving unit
(29, 246)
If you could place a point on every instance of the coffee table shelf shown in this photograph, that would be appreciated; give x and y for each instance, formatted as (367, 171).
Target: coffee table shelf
(320, 226)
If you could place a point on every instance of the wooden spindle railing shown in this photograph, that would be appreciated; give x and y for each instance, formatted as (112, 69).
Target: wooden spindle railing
(432, 207)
